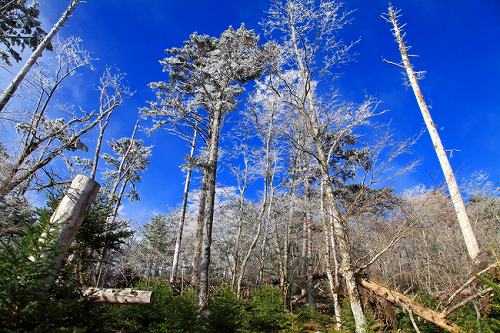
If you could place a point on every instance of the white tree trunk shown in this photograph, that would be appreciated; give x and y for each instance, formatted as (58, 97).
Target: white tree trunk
(456, 197)
(178, 239)
(333, 280)
(14, 84)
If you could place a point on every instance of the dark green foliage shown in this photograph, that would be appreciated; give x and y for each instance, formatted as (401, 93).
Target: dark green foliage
(308, 319)
(266, 310)
(27, 302)
(225, 312)
(19, 28)
(170, 312)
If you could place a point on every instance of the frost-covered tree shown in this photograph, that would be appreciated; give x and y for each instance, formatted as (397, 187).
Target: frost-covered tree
(37, 53)
(21, 28)
(112, 92)
(48, 131)
(312, 50)
(206, 76)
(130, 158)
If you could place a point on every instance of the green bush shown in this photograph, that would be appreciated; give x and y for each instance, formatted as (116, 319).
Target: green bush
(225, 312)
(266, 311)
(28, 303)
(167, 313)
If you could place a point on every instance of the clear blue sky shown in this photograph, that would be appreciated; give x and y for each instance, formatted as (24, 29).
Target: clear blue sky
(458, 42)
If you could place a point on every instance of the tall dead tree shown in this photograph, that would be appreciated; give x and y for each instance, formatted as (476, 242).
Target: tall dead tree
(129, 161)
(458, 203)
(16, 81)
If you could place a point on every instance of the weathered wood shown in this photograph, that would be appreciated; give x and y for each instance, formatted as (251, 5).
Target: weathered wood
(410, 304)
(69, 215)
(118, 296)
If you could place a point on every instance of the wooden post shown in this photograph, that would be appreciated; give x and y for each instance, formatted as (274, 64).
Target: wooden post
(410, 304)
(70, 214)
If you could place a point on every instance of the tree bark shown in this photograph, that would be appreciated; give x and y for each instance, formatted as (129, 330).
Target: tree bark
(178, 239)
(14, 84)
(333, 280)
(206, 215)
(456, 197)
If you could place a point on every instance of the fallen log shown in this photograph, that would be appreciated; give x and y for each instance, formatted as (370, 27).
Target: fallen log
(118, 296)
(410, 305)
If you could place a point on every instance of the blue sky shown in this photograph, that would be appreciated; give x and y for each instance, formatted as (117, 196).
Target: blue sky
(458, 42)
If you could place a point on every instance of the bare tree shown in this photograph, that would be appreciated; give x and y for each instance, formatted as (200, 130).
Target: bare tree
(16, 81)
(463, 219)
(111, 95)
(129, 160)
(311, 45)
(42, 138)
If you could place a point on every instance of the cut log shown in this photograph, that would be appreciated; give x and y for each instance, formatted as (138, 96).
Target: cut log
(410, 304)
(118, 296)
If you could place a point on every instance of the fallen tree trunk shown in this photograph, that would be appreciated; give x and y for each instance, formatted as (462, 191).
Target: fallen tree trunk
(410, 305)
(118, 296)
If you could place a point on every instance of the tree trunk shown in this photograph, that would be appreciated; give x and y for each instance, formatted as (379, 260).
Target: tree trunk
(178, 239)
(333, 280)
(311, 118)
(456, 197)
(207, 214)
(102, 129)
(14, 84)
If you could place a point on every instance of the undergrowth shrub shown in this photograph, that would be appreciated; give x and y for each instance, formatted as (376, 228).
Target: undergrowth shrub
(226, 313)
(169, 312)
(266, 312)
